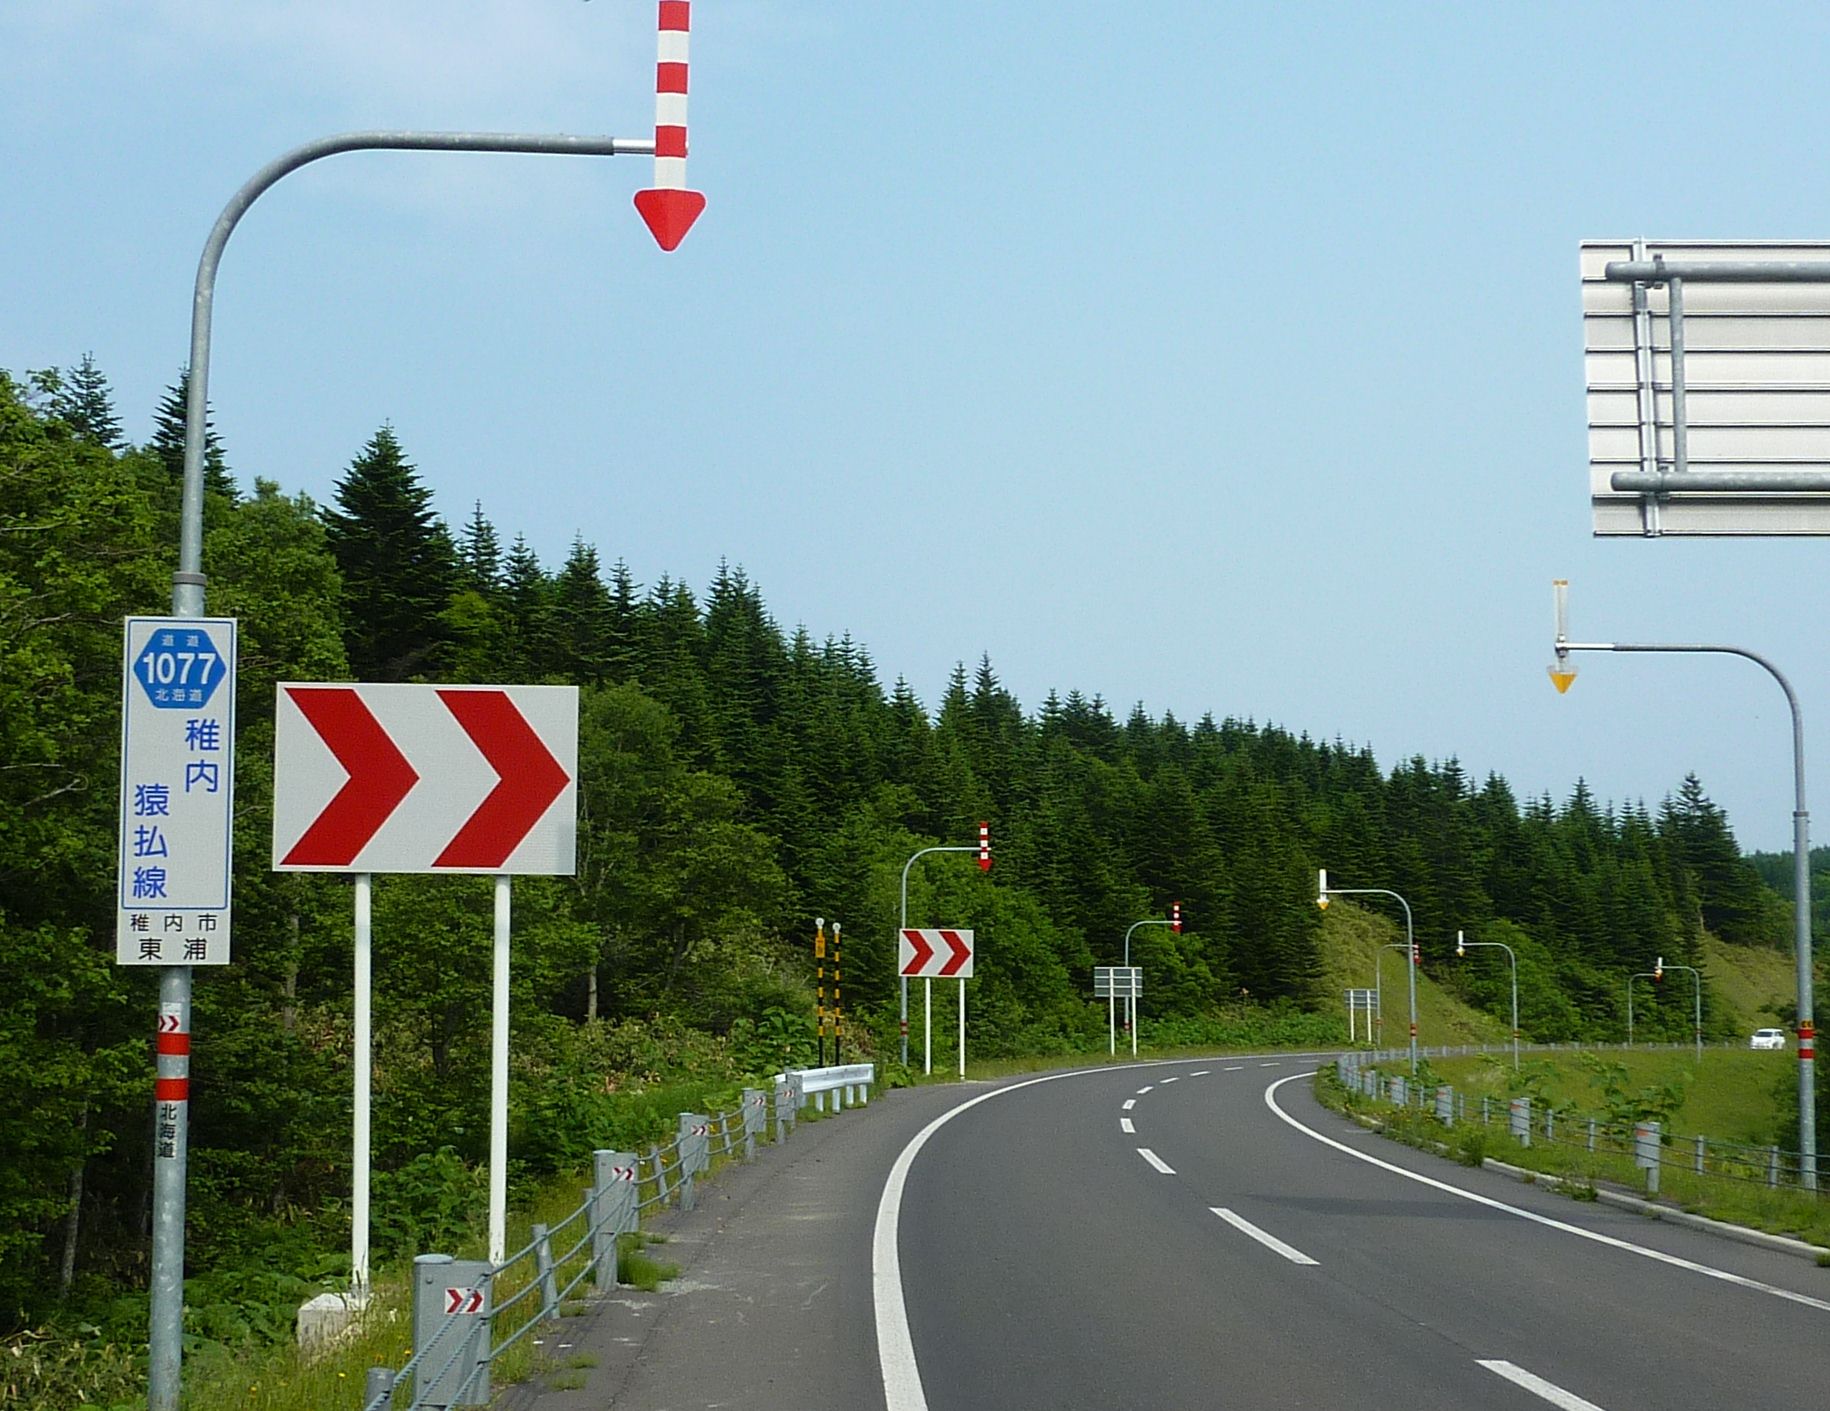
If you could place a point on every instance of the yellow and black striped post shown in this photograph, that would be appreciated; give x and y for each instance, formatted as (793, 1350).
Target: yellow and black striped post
(837, 1008)
(819, 1001)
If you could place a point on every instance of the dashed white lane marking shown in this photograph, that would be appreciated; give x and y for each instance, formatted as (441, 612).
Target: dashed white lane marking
(1269, 1241)
(1130, 1103)
(1200, 1072)
(1156, 1161)
(1124, 1125)
(1171, 1080)
(1537, 1386)
(1595, 1236)
(1146, 1088)
(1236, 1068)
(1267, 1065)
(895, 1347)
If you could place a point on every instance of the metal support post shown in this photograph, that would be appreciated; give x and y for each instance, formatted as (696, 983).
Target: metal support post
(165, 1324)
(1801, 872)
(1410, 939)
(903, 925)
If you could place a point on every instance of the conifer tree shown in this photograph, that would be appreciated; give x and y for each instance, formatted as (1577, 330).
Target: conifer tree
(398, 564)
(582, 616)
(168, 440)
(480, 554)
(83, 401)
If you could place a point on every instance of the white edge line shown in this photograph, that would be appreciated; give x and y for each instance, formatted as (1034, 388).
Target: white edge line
(895, 1349)
(1269, 1241)
(1550, 1391)
(1658, 1255)
(1156, 1161)
(1124, 1125)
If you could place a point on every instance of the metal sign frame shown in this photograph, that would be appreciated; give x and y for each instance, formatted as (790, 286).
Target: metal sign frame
(1707, 366)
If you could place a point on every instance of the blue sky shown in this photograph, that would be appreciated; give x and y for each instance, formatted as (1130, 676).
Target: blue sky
(1221, 357)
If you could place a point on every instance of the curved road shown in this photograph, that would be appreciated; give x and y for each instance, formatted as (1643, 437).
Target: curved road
(1203, 1234)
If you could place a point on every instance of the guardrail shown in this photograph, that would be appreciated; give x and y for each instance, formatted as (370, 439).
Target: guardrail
(468, 1313)
(1650, 1148)
(849, 1083)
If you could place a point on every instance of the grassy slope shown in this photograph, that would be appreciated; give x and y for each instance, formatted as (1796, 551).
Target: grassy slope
(1733, 1098)
(1750, 982)
(1350, 936)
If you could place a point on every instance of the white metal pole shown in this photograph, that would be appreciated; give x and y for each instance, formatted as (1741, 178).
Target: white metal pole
(360, 1141)
(927, 1024)
(962, 1028)
(1111, 1026)
(1131, 1004)
(1515, 1008)
(498, 1084)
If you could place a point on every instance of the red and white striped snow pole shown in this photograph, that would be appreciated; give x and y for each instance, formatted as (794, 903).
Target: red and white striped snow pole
(669, 208)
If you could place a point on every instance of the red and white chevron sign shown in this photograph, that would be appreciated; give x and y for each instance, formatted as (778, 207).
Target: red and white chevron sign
(622, 1173)
(936, 954)
(468, 1300)
(385, 778)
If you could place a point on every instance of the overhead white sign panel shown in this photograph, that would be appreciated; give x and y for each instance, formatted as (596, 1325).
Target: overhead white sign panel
(410, 778)
(1756, 359)
(177, 791)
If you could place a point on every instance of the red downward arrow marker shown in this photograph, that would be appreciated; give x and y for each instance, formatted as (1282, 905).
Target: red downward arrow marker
(669, 214)
(529, 779)
(379, 777)
(923, 953)
(961, 953)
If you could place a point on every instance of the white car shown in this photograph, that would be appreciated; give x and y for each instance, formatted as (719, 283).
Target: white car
(1768, 1038)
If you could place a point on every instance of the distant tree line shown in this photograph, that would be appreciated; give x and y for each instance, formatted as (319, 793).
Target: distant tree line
(737, 778)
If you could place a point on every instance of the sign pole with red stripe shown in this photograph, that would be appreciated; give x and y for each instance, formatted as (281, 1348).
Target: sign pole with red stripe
(171, 1130)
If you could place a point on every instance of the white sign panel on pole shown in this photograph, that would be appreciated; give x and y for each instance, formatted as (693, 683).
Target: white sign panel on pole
(410, 778)
(177, 791)
(1755, 387)
(936, 954)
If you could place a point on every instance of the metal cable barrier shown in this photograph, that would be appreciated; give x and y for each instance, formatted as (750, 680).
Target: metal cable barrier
(468, 1314)
(1641, 1145)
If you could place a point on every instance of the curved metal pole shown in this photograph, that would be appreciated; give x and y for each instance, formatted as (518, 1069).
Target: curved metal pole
(1696, 999)
(1410, 938)
(903, 926)
(1131, 999)
(1461, 945)
(166, 1319)
(187, 591)
(1801, 882)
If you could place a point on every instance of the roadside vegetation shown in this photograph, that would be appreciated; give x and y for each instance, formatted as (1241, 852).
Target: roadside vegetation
(1734, 1096)
(736, 779)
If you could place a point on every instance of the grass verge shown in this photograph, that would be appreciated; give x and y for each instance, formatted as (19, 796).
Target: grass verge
(1582, 1172)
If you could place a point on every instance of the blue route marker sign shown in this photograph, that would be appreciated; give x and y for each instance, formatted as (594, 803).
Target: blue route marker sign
(180, 667)
(177, 791)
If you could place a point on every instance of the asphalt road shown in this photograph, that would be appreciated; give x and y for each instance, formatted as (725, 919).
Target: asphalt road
(1047, 1263)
